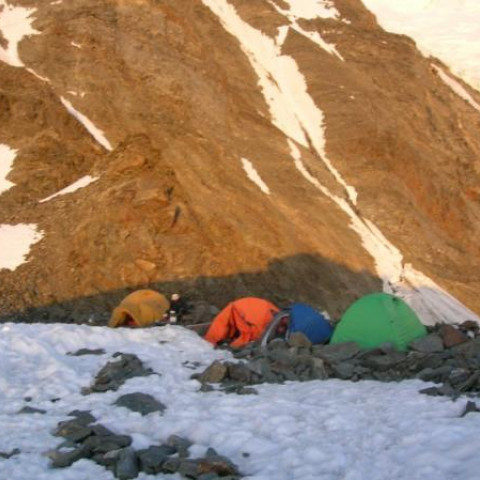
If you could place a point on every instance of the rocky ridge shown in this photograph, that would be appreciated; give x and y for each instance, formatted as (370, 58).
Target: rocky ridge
(448, 356)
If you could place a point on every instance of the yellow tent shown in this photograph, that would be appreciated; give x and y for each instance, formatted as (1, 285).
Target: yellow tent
(140, 309)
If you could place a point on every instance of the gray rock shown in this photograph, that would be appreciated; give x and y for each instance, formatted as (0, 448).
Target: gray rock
(432, 360)
(246, 351)
(152, 458)
(281, 359)
(458, 377)
(7, 455)
(444, 390)
(338, 352)
(101, 430)
(73, 430)
(215, 373)
(29, 410)
(141, 403)
(87, 351)
(116, 373)
(59, 459)
(180, 444)
(343, 370)
(383, 362)
(239, 372)
(171, 465)
(318, 369)
(299, 340)
(189, 468)
(360, 371)
(387, 348)
(277, 344)
(470, 383)
(468, 349)
(430, 344)
(435, 374)
(108, 459)
(209, 476)
(104, 444)
(247, 391)
(286, 375)
(205, 387)
(83, 417)
(470, 407)
(260, 366)
(126, 467)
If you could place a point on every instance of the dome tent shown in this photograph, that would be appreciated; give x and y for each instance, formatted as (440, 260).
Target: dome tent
(140, 309)
(241, 321)
(301, 318)
(376, 319)
(311, 323)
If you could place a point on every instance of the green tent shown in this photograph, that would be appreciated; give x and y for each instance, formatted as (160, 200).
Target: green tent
(376, 319)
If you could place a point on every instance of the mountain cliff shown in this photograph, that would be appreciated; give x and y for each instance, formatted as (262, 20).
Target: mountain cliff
(293, 150)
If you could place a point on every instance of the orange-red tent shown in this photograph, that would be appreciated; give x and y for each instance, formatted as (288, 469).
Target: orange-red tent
(241, 321)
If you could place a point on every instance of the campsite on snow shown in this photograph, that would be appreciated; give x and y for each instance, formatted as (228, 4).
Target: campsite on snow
(238, 240)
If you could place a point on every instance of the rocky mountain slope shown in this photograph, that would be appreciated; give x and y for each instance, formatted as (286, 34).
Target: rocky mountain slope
(234, 148)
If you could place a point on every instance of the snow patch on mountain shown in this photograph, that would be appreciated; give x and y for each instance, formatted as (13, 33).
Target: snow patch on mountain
(7, 156)
(15, 243)
(253, 175)
(283, 85)
(95, 132)
(310, 10)
(15, 24)
(80, 183)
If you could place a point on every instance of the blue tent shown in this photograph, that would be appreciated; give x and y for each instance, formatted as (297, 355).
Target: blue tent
(311, 323)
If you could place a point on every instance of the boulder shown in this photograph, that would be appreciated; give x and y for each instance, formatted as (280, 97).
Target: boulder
(430, 344)
(339, 352)
(469, 408)
(299, 340)
(152, 458)
(142, 403)
(451, 336)
(126, 467)
(215, 373)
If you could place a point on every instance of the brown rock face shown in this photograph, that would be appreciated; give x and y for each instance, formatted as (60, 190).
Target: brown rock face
(173, 208)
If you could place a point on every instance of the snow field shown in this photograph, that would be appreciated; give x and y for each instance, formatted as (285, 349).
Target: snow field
(327, 430)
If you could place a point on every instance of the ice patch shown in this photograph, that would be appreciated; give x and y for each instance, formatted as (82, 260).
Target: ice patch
(81, 183)
(7, 156)
(15, 24)
(253, 175)
(15, 243)
(96, 133)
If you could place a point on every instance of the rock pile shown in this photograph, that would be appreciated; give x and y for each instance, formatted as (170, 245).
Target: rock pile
(116, 373)
(447, 356)
(89, 440)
